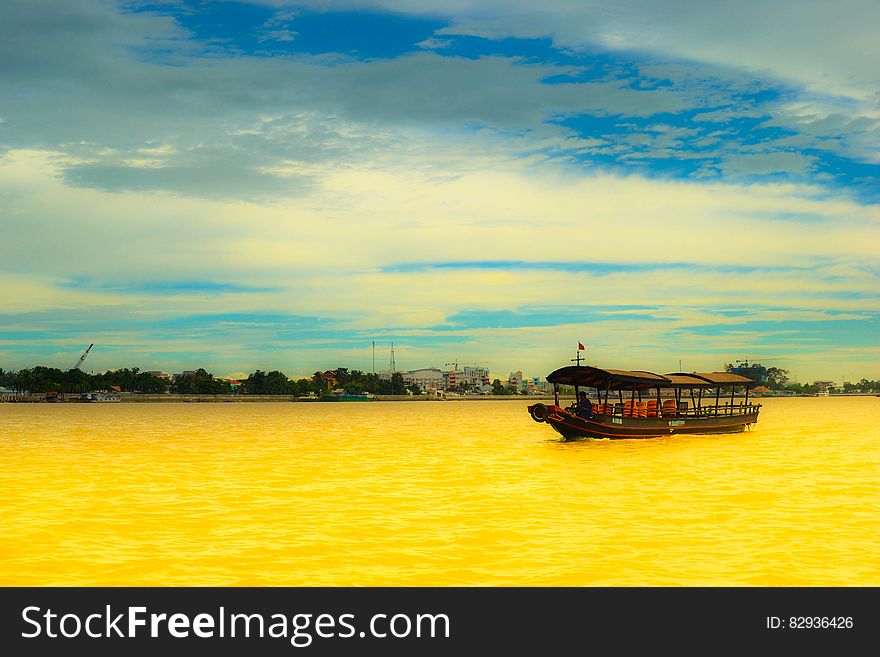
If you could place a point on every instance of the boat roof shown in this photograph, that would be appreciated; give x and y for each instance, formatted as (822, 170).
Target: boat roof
(681, 380)
(726, 378)
(595, 377)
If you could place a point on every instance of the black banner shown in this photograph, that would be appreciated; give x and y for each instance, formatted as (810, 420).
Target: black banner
(431, 620)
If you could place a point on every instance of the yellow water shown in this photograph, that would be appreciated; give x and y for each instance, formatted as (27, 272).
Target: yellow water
(454, 493)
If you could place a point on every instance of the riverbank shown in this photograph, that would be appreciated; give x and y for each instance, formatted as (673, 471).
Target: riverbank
(196, 399)
(154, 399)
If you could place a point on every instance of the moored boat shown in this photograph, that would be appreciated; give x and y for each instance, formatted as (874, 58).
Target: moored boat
(638, 404)
(345, 397)
(99, 397)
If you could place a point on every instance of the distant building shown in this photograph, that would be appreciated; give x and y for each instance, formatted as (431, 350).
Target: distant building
(7, 394)
(159, 374)
(515, 381)
(476, 376)
(450, 379)
(824, 387)
(472, 377)
(329, 378)
(536, 385)
(427, 378)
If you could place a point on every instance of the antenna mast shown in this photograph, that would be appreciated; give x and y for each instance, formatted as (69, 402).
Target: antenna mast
(392, 368)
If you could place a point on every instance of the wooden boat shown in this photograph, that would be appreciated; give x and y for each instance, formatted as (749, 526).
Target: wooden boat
(636, 404)
(343, 397)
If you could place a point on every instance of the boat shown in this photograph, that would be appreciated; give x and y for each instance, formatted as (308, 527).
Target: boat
(99, 397)
(346, 397)
(639, 404)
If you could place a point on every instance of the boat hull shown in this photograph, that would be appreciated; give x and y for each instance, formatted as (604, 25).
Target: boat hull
(345, 398)
(572, 427)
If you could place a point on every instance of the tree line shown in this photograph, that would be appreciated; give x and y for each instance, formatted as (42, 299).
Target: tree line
(52, 379)
(42, 379)
(776, 378)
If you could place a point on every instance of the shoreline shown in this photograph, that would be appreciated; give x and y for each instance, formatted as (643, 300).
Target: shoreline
(159, 399)
(245, 399)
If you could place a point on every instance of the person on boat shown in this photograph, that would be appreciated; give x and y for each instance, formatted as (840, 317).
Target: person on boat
(584, 408)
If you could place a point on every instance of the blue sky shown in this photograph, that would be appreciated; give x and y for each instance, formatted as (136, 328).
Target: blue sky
(242, 185)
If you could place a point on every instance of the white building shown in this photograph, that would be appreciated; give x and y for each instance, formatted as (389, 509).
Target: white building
(476, 376)
(159, 374)
(515, 380)
(472, 377)
(7, 394)
(427, 378)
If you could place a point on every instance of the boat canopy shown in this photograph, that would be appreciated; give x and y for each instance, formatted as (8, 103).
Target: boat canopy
(606, 379)
(593, 377)
(724, 379)
(681, 380)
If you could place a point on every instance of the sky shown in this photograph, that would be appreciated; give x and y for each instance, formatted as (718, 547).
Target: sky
(277, 185)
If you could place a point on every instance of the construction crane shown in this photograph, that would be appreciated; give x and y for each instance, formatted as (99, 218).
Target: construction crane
(83, 357)
(456, 364)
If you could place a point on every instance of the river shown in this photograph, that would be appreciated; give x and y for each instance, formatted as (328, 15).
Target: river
(445, 493)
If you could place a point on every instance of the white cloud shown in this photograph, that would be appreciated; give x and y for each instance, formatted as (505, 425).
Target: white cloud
(324, 254)
(325, 250)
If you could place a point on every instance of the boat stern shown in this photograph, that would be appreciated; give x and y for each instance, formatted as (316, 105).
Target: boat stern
(542, 412)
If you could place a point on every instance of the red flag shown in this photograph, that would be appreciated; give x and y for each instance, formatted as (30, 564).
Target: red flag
(581, 347)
